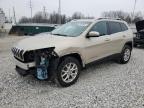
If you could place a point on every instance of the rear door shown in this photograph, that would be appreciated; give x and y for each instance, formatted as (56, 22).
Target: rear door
(116, 36)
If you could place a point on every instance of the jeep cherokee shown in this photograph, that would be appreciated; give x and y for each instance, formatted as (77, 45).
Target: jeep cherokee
(70, 47)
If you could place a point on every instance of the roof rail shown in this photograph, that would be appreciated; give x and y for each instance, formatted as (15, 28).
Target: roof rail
(109, 18)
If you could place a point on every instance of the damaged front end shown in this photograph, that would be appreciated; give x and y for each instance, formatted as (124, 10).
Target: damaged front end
(44, 62)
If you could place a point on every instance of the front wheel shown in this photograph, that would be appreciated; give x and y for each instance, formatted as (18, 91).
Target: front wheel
(68, 72)
(125, 55)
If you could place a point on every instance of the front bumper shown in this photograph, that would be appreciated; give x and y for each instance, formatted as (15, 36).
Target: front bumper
(24, 72)
(30, 68)
(25, 66)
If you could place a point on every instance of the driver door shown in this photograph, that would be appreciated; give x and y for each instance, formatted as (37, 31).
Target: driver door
(98, 47)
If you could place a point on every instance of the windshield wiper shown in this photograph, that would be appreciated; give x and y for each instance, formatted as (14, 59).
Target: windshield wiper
(60, 34)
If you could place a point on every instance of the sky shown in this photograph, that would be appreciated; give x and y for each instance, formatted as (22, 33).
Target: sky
(87, 7)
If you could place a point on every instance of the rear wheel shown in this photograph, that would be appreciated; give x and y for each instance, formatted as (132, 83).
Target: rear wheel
(125, 55)
(68, 72)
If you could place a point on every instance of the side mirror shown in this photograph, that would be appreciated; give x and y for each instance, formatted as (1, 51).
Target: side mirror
(93, 34)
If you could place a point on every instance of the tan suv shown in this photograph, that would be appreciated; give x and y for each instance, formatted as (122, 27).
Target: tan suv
(61, 54)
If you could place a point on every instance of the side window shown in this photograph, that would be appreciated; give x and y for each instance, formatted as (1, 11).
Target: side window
(124, 27)
(100, 27)
(114, 27)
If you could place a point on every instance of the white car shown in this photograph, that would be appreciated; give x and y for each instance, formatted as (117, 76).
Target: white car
(63, 53)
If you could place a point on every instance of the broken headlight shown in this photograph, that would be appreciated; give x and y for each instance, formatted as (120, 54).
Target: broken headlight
(29, 56)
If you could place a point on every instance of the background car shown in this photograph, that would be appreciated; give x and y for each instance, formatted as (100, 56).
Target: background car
(139, 39)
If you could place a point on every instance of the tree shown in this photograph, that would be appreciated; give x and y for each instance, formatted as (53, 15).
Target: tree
(77, 15)
(128, 17)
(53, 18)
(137, 17)
(41, 17)
(63, 19)
(115, 14)
(38, 18)
(24, 20)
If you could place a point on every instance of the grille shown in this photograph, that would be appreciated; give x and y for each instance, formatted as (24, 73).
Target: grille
(18, 53)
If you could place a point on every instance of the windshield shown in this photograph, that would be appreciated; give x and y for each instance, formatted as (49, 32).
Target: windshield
(71, 29)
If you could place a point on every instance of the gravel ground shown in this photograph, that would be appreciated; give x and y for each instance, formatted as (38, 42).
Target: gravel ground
(103, 85)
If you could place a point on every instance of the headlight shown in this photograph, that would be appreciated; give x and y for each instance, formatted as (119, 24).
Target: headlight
(29, 56)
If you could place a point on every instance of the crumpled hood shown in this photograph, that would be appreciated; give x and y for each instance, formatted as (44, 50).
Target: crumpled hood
(43, 41)
(140, 25)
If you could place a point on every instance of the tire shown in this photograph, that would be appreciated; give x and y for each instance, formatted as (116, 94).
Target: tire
(66, 77)
(125, 55)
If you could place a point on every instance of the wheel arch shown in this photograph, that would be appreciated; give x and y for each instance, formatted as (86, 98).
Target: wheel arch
(129, 43)
(75, 55)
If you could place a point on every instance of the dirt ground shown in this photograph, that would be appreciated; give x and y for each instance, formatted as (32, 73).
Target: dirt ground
(103, 85)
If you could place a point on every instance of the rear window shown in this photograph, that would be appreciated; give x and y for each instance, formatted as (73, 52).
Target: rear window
(114, 27)
(124, 27)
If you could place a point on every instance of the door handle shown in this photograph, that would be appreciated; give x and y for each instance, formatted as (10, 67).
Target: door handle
(107, 39)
